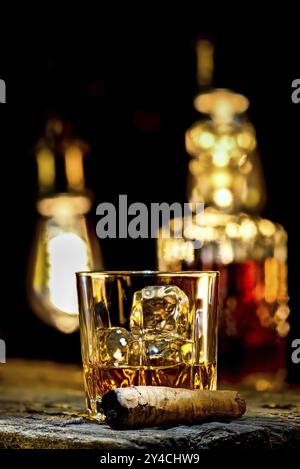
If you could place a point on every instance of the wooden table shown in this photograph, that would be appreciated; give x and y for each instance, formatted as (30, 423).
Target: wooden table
(42, 406)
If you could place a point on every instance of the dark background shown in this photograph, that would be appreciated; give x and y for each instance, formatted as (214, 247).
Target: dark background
(130, 96)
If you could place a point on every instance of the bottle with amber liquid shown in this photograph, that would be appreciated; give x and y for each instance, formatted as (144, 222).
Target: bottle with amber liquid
(249, 251)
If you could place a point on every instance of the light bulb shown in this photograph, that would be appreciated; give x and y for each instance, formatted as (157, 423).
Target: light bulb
(65, 242)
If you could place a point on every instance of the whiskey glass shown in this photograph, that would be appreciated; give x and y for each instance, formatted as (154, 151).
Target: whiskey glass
(147, 328)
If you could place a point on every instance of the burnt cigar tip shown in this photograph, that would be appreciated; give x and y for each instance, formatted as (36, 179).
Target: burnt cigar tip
(113, 410)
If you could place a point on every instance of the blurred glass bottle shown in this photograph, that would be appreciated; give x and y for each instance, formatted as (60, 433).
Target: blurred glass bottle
(249, 251)
(65, 241)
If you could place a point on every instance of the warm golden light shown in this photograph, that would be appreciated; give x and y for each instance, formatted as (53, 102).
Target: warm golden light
(248, 230)
(67, 255)
(266, 227)
(223, 197)
(263, 385)
(283, 329)
(226, 175)
(64, 242)
(226, 253)
(252, 198)
(282, 313)
(74, 167)
(205, 62)
(246, 167)
(221, 179)
(223, 140)
(46, 169)
(221, 104)
(246, 140)
(232, 230)
(206, 139)
(226, 142)
(220, 158)
(271, 279)
(62, 247)
(64, 206)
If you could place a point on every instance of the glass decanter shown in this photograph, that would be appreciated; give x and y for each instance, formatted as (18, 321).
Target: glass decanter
(249, 251)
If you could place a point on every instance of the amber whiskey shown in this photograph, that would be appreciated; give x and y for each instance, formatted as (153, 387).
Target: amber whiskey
(99, 379)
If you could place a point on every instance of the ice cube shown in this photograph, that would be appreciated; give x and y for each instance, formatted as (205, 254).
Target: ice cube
(160, 309)
(163, 351)
(136, 355)
(114, 345)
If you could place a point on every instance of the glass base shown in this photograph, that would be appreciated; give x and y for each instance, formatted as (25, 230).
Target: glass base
(93, 411)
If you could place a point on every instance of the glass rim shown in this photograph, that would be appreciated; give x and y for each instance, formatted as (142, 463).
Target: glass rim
(145, 273)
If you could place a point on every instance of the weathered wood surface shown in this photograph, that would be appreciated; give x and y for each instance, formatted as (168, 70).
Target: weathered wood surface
(42, 406)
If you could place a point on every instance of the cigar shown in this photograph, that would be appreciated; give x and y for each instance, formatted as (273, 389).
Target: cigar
(147, 406)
